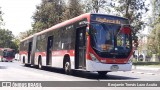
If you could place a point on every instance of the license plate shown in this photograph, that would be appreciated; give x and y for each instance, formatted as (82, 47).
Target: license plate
(114, 68)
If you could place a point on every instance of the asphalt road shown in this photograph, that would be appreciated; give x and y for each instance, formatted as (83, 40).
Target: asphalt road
(15, 71)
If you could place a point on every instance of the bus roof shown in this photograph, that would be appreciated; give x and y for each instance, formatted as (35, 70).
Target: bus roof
(67, 22)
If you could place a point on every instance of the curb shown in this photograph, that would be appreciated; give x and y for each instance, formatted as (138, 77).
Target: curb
(144, 73)
(145, 68)
(151, 73)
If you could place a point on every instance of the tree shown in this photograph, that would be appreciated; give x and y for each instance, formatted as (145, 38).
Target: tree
(133, 10)
(95, 6)
(154, 40)
(73, 9)
(7, 40)
(6, 37)
(156, 11)
(25, 34)
(48, 13)
(1, 19)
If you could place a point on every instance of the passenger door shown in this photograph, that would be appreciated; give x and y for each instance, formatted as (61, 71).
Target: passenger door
(49, 50)
(80, 51)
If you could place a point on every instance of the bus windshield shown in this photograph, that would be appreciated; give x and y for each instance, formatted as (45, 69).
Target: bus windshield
(8, 53)
(108, 41)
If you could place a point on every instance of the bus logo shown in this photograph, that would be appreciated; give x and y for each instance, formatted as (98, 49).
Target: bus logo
(6, 84)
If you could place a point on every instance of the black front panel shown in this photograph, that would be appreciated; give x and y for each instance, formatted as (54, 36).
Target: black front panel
(107, 37)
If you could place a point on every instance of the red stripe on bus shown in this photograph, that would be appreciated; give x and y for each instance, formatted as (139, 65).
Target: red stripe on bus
(63, 52)
(57, 53)
(23, 52)
(40, 53)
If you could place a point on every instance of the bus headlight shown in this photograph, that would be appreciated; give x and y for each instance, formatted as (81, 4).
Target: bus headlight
(94, 58)
(130, 59)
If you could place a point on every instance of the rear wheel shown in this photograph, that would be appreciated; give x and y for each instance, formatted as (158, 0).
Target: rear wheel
(102, 73)
(67, 65)
(40, 63)
(27, 65)
(23, 60)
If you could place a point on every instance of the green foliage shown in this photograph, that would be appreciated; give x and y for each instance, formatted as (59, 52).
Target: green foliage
(6, 37)
(7, 40)
(146, 63)
(25, 34)
(154, 37)
(133, 10)
(73, 9)
(48, 13)
(154, 40)
(51, 12)
(95, 6)
(1, 19)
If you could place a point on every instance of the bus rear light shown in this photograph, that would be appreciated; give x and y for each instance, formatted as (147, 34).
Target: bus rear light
(94, 58)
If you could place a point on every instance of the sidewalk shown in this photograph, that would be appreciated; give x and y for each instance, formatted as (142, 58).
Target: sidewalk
(145, 68)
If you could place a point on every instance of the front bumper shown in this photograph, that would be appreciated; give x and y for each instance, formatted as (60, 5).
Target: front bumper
(98, 66)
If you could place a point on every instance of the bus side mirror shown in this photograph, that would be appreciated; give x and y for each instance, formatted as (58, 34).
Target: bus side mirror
(87, 31)
(125, 30)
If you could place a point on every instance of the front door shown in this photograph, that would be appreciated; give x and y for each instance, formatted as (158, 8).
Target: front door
(80, 62)
(49, 50)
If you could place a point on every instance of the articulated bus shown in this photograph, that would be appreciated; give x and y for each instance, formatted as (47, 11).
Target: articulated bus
(90, 42)
(7, 54)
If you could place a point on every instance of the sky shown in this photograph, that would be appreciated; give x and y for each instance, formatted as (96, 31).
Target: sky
(17, 14)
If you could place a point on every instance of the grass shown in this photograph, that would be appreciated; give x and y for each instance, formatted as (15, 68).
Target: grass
(152, 64)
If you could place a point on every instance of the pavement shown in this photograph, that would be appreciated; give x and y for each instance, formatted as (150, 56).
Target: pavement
(146, 70)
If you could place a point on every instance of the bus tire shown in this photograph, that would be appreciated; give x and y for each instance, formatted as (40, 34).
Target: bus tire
(40, 63)
(23, 60)
(27, 65)
(102, 73)
(67, 65)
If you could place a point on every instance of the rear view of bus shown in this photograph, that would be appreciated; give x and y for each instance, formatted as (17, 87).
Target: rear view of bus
(8, 55)
(110, 44)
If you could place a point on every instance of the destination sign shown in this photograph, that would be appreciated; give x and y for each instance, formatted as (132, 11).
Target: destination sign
(108, 20)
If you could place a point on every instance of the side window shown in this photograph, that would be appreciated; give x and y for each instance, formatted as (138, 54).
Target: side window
(56, 41)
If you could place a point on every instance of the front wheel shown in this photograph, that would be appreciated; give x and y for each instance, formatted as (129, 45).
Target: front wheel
(102, 73)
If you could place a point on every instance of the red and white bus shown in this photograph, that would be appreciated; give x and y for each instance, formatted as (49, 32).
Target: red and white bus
(90, 42)
(7, 54)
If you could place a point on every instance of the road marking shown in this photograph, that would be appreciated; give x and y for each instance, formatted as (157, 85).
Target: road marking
(143, 73)
(140, 72)
(151, 73)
